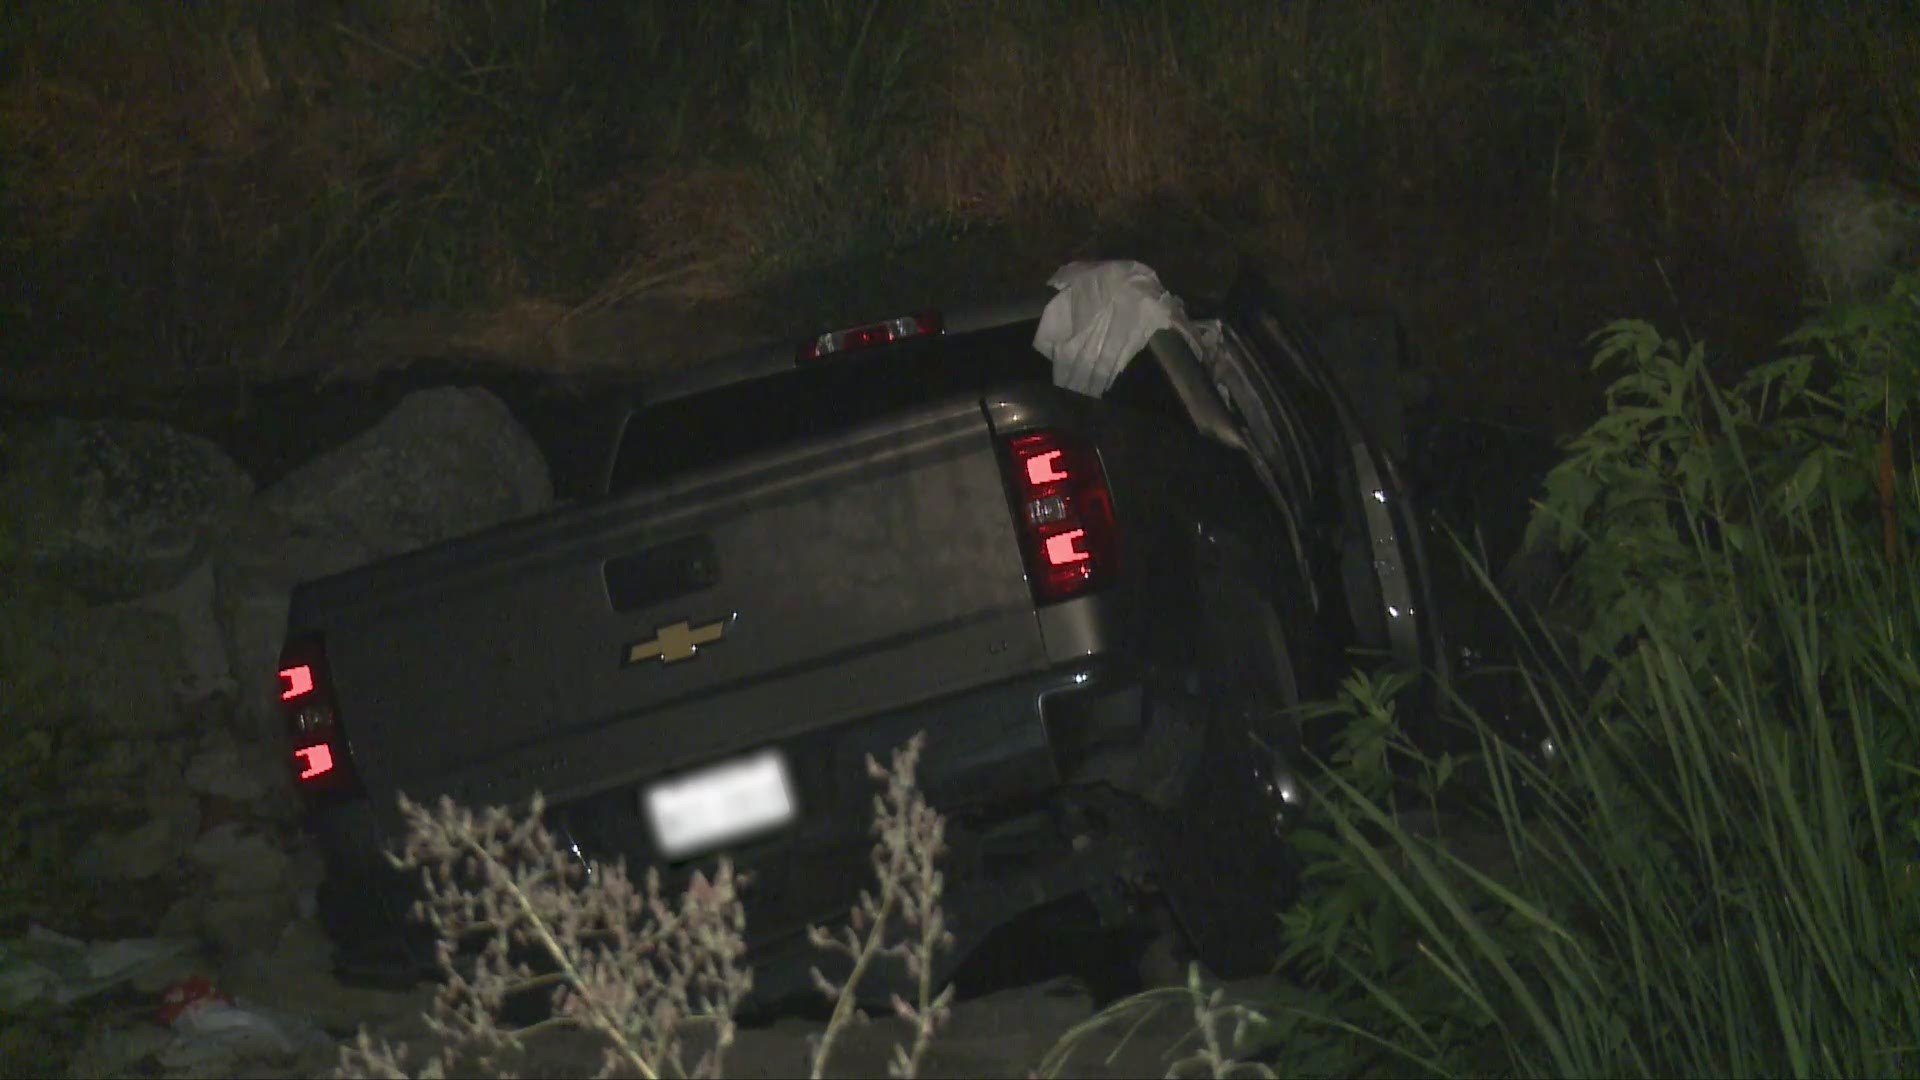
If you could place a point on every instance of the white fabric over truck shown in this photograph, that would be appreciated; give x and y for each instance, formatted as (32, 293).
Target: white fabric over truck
(1102, 318)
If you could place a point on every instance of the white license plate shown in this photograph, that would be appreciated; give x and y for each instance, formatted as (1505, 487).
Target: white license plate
(720, 804)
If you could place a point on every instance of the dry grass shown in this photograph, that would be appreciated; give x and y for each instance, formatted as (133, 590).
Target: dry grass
(1020, 125)
(237, 175)
(656, 978)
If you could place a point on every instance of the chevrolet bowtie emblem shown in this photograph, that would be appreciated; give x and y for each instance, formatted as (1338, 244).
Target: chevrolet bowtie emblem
(672, 644)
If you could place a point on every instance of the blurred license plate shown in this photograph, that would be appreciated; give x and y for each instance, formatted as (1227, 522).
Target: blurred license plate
(720, 804)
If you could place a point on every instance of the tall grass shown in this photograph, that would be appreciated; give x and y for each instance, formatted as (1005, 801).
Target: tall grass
(229, 176)
(1718, 871)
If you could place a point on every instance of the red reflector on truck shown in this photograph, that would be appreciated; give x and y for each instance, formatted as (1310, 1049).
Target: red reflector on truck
(1065, 513)
(1061, 551)
(298, 680)
(853, 339)
(314, 761)
(1045, 469)
(321, 760)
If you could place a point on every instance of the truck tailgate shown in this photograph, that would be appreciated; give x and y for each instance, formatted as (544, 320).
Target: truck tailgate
(588, 649)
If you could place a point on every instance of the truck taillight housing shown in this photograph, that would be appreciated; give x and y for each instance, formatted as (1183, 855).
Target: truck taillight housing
(1064, 513)
(321, 762)
(920, 324)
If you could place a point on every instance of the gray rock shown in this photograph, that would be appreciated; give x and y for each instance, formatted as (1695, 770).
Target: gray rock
(182, 918)
(115, 508)
(445, 462)
(304, 878)
(245, 923)
(130, 668)
(49, 967)
(242, 861)
(228, 770)
(111, 666)
(118, 759)
(123, 775)
(201, 671)
(156, 977)
(173, 818)
(296, 974)
(250, 894)
(112, 768)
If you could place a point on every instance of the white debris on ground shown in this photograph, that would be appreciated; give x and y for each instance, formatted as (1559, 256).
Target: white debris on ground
(283, 1016)
(1005, 1034)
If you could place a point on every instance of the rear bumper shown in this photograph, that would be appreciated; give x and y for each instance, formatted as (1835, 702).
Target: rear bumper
(993, 764)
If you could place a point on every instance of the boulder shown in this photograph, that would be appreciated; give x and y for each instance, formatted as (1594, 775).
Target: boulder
(242, 861)
(250, 895)
(154, 979)
(295, 974)
(115, 508)
(235, 772)
(308, 871)
(142, 667)
(113, 767)
(95, 664)
(183, 917)
(445, 463)
(202, 672)
(243, 923)
(127, 779)
(147, 849)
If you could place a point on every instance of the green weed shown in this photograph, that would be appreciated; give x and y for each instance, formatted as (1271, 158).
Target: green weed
(1717, 873)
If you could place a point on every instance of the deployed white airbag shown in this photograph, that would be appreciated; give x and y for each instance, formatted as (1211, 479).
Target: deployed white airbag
(1102, 318)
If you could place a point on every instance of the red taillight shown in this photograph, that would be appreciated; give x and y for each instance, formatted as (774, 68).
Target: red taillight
(1062, 548)
(1065, 515)
(298, 680)
(321, 761)
(919, 324)
(1045, 468)
(316, 761)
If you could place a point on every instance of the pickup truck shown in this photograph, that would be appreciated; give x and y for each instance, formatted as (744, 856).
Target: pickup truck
(1099, 609)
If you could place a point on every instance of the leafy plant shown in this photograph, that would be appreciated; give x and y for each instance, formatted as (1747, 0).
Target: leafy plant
(1717, 874)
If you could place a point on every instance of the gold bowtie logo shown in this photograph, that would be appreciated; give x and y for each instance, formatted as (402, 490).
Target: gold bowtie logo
(672, 644)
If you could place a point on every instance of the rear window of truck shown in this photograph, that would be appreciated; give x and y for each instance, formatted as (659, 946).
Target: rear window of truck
(711, 428)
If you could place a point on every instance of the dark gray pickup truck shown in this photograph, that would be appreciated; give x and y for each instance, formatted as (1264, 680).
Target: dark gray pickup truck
(1097, 608)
